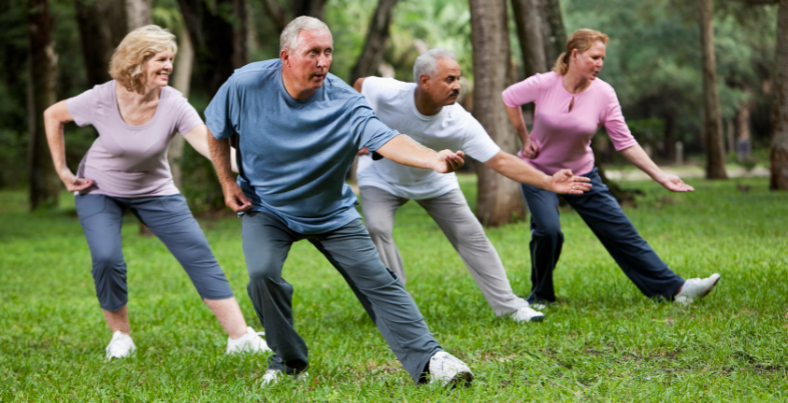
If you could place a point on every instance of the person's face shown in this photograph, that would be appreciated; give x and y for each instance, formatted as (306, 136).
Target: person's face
(308, 64)
(444, 88)
(158, 69)
(589, 63)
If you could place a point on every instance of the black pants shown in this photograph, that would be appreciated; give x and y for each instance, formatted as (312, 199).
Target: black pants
(604, 216)
(266, 243)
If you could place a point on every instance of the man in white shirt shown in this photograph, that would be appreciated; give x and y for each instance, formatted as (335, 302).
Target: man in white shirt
(428, 112)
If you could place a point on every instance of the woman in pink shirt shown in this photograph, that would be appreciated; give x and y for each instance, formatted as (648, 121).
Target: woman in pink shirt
(126, 168)
(571, 105)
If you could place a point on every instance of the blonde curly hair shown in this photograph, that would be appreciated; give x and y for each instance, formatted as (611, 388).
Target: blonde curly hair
(127, 65)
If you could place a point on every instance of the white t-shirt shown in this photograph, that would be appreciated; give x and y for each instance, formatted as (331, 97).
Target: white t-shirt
(453, 128)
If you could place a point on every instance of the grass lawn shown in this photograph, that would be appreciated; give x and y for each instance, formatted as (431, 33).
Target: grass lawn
(604, 341)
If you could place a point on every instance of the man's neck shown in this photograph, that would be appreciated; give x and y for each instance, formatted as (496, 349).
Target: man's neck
(292, 88)
(424, 103)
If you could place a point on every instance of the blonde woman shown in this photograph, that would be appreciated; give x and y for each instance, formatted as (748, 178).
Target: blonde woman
(136, 115)
(571, 105)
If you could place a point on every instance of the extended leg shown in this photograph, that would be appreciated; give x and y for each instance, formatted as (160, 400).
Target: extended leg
(393, 310)
(546, 241)
(452, 214)
(170, 219)
(634, 255)
(379, 208)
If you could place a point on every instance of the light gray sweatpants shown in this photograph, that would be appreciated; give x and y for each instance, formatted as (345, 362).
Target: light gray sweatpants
(452, 214)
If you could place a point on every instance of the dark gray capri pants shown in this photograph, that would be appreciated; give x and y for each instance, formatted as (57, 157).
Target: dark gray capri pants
(170, 219)
(266, 243)
(599, 209)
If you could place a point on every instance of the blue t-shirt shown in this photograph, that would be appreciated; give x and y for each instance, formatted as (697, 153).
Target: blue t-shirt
(295, 154)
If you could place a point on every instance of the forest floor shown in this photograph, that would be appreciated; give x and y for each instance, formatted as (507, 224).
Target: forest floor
(603, 341)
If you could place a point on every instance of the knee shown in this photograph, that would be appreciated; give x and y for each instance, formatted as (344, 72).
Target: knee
(106, 261)
(378, 230)
(550, 231)
(263, 274)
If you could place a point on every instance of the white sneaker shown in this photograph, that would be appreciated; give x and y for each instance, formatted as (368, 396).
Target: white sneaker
(449, 370)
(251, 342)
(696, 288)
(120, 346)
(526, 314)
(272, 377)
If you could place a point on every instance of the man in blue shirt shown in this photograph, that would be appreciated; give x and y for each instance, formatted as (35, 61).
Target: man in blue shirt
(298, 129)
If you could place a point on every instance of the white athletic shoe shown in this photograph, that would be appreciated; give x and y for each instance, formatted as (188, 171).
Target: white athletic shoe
(121, 346)
(447, 369)
(526, 314)
(251, 342)
(272, 377)
(696, 288)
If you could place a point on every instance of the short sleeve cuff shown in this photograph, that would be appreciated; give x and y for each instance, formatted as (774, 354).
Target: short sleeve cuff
(624, 144)
(379, 141)
(487, 155)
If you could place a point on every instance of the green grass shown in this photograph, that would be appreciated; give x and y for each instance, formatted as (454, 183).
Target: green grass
(604, 341)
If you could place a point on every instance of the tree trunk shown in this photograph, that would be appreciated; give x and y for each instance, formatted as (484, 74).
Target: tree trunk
(44, 181)
(219, 47)
(554, 32)
(529, 32)
(779, 152)
(375, 44)
(281, 15)
(98, 35)
(715, 153)
(499, 199)
(181, 82)
(137, 14)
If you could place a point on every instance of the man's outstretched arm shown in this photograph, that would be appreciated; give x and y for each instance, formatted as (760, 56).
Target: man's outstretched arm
(234, 197)
(404, 150)
(517, 170)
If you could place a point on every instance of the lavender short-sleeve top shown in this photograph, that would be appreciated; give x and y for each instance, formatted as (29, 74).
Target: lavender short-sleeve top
(130, 161)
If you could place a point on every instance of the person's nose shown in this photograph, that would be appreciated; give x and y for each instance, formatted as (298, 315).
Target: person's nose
(323, 60)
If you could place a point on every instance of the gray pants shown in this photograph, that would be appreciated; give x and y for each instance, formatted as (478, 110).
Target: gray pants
(266, 243)
(170, 219)
(454, 217)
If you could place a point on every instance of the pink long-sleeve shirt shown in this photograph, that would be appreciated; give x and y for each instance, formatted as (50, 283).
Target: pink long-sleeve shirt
(564, 136)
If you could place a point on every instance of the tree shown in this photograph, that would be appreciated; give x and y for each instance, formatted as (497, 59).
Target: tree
(99, 35)
(375, 44)
(553, 30)
(181, 82)
(527, 17)
(137, 14)
(281, 15)
(217, 32)
(779, 143)
(499, 199)
(715, 151)
(43, 180)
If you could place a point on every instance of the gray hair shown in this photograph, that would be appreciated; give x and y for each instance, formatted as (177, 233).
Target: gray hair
(427, 63)
(289, 38)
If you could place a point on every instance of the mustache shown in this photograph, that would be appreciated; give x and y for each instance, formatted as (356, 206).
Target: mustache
(455, 93)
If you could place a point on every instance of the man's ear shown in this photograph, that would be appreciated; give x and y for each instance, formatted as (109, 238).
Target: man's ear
(284, 54)
(424, 81)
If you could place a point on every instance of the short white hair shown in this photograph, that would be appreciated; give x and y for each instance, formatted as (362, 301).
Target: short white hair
(289, 38)
(427, 63)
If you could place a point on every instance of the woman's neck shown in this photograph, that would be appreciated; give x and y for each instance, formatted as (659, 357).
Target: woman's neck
(135, 98)
(574, 83)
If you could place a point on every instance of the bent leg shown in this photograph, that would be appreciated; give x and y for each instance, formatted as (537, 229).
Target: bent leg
(102, 218)
(379, 208)
(266, 243)
(454, 217)
(546, 241)
(385, 299)
(634, 255)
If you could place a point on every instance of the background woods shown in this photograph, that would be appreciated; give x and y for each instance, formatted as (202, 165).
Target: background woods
(711, 75)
